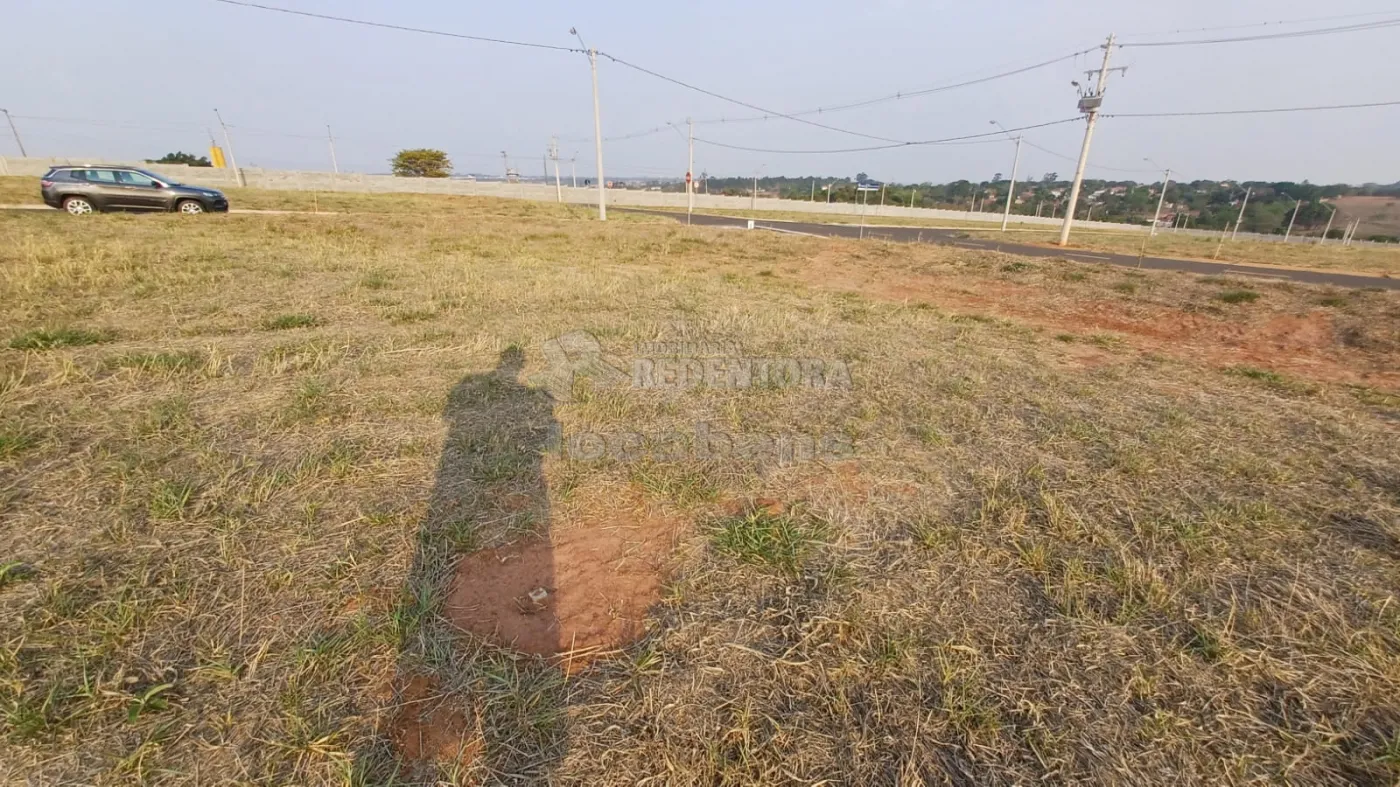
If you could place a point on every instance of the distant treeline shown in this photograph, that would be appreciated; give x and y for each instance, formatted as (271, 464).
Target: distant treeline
(1204, 204)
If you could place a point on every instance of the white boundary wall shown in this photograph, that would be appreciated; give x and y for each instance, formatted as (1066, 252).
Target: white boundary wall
(345, 181)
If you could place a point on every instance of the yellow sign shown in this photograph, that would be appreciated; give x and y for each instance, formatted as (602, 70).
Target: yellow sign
(216, 155)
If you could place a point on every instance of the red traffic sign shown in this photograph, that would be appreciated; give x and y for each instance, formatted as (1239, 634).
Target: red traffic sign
(687, 177)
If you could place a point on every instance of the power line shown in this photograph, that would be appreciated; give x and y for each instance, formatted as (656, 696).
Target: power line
(1250, 111)
(754, 107)
(1058, 154)
(1271, 36)
(946, 141)
(402, 28)
(619, 61)
(1260, 24)
(902, 95)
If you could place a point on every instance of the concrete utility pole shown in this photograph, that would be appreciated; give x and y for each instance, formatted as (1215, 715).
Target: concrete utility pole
(554, 154)
(914, 198)
(829, 189)
(881, 209)
(753, 201)
(862, 211)
(15, 131)
(228, 143)
(1090, 105)
(1240, 218)
(331, 139)
(1011, 186)
(573, 171)
(597, 129)
(1289, 231)
(1323, 239)
(1166, 179)
(505, 161)
(690, 171)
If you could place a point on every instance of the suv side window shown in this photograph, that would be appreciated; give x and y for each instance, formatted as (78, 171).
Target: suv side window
(75, 174)
(133, 178)
(100, 176)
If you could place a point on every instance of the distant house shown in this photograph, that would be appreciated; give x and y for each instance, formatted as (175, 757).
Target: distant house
(1118, 191)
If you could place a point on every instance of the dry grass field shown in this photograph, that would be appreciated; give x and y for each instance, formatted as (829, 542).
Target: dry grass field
(309, 500)
(1379, 215)
(1383, 259)
(1362, 258)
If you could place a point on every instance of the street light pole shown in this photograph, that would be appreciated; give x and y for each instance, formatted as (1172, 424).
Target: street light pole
(228, 143)
(597, 128)
(1289, 231)
(15, 131)
(1333, 215)
(1161, 198)
(690, 173)
(331, 139)
(1011, 187)
(1240, 218)
(554, 154)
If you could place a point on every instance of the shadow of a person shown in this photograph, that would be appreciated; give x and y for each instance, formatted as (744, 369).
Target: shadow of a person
(484, 565)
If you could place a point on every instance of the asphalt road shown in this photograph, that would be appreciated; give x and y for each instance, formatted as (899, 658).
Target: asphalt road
(954, 238)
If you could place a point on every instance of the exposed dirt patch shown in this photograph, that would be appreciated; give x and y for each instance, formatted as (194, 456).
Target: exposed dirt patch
(431, 726)
(1304, 343)
(583, 590)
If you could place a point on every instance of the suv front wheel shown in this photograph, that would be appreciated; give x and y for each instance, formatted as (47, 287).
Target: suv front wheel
(190, 206)
(77, 206)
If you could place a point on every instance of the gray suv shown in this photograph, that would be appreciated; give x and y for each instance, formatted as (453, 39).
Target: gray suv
(81, 190)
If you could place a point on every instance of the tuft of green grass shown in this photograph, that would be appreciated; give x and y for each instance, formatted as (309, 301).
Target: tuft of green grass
(169, 499)
(1237, 296)
(1332, 301)
(1016, 267)
(1272, 380)
(1067, 338)
(284, 322)
(50, 338)
(376, 280)
(410, 316)
(13, 441)
(767, 539)
(1125, 287)
(14, 571)
(1262, 375)
(178, 361)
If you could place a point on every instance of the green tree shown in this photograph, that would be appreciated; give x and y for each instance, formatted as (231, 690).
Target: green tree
(421, 163)
(179, 157)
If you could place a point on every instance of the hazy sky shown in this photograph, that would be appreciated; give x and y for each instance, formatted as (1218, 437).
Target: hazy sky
(164, 64)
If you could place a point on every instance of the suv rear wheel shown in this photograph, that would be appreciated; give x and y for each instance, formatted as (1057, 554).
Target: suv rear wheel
(190, 206)
(77, 206)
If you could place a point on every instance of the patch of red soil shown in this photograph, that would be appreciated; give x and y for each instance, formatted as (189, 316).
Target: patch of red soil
(432, 727)
(583, 590)
(1303, 344)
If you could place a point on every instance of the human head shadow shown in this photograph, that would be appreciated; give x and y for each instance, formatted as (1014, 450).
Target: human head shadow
(489, 498)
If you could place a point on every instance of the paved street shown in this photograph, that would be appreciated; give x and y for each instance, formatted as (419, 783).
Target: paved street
(951, 237)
